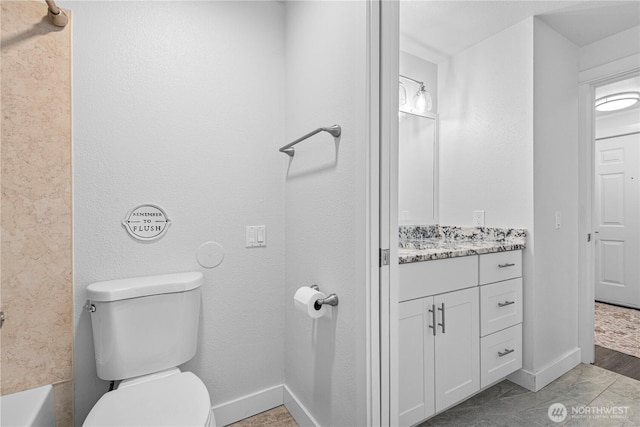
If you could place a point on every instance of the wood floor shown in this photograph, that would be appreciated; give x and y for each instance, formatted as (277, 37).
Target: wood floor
(621, 363)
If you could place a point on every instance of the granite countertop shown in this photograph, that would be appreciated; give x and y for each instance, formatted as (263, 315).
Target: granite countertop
(424, 243)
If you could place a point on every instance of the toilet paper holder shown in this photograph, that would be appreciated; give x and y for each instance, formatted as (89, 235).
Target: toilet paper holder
(332, 299)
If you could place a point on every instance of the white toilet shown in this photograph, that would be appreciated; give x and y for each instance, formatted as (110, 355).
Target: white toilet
(143, 328)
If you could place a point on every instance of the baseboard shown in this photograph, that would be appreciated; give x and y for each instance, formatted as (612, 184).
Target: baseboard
(524, 379)
(247, 406)
(297, 410)
(535, 381)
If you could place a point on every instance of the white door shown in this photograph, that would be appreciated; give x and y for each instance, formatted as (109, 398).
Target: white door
(416, 338)
(457, 346)
(617, 220)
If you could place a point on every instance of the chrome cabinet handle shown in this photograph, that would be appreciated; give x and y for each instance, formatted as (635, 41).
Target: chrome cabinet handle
(433, 318)
(506, 303)
(505, 265)
(442, 324)
(505, 352)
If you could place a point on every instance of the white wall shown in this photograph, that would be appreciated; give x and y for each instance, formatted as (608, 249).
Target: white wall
(612, 48)
(182, 104)
(486, 135)
(325, 206)
(509, 146)
(553, 313)
(486, 141)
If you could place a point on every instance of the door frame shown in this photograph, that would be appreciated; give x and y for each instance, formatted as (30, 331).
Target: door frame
(388, 204)
(382, 314)
(374, 273)
(588, 80)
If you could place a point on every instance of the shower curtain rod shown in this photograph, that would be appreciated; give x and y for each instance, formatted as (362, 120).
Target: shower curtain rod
(56, 15)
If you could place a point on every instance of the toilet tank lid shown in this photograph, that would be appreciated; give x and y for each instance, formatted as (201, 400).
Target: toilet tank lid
(134, 287)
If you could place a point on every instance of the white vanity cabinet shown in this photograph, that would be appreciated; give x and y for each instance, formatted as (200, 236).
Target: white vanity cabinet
(439, 353)
(457, 347)
(439, 349)
(457, 333)
(416, 351)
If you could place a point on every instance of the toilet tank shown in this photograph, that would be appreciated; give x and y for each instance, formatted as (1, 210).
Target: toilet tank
(145, 324)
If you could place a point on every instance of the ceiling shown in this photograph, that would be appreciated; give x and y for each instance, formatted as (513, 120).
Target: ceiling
(436, 30)
(628, 85)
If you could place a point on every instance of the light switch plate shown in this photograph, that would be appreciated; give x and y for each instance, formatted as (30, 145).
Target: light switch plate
(255, 236)
(558, 220)
(250, 236)
(478, 218)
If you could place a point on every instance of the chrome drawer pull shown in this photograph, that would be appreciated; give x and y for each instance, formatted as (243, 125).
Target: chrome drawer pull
(433, 318)
(505, 352)
(506, 303)
(505, 265)
(442, 324)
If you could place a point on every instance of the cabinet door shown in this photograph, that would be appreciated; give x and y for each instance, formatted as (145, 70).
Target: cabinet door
(457, 353)
(416, 361)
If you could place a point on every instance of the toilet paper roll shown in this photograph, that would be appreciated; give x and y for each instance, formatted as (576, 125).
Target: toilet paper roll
(305, 299)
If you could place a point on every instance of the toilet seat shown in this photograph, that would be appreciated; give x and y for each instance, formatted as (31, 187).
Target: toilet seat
(180, 399)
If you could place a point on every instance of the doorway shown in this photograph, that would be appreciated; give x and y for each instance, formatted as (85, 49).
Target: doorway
(616, 226)
(617, 183)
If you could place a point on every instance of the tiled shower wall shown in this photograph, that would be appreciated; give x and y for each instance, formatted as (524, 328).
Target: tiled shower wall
(36, 259)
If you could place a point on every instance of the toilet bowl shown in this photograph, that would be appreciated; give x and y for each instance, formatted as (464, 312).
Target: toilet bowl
(169, 399)
(143, 328)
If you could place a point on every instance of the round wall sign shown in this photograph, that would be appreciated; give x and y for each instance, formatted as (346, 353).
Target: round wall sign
(146, 222)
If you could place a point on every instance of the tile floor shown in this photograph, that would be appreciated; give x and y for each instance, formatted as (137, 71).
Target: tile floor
(586, 388)
(276, 417)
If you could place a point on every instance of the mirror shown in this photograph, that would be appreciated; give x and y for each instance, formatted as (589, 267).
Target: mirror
(417, 169)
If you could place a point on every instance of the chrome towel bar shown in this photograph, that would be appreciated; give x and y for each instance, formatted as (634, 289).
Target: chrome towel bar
(334, 130)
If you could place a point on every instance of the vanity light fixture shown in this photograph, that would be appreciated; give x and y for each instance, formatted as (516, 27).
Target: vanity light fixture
(617, 101)
(421, 100)
(402, 94)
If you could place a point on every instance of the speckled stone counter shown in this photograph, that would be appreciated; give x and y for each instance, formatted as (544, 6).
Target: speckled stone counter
(424, 243)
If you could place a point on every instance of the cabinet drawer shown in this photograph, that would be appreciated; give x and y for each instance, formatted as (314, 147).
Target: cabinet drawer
(500, 266)
(500, 306)
(500, 354)
(420, 279)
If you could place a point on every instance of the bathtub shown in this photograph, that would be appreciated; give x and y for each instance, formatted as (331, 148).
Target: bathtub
(32, 407)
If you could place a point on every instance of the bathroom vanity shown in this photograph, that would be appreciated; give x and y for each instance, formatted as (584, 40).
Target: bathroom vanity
(460, 314)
